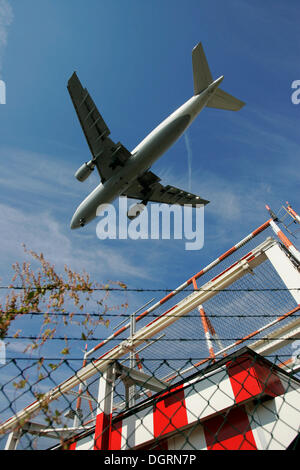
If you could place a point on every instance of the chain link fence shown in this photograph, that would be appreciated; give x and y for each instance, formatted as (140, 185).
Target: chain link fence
(240, 402)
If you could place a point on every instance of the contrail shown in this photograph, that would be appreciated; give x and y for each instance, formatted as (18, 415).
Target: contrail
(189, 154)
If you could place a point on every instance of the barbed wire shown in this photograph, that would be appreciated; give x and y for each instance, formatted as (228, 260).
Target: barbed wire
(127, 315)
(142, 359)
(92, 338)
(142, 289)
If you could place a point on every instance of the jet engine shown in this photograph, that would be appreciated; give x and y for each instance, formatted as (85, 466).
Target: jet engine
(84, 171)
(135, 210)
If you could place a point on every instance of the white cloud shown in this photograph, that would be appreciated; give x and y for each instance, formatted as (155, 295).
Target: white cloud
(41, 232)
(19, 347)
(37, 173)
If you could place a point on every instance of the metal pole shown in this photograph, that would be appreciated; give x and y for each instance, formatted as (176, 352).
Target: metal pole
(78, 416)
(293, 213)
(284, 239)
(132, 361)
(13, 440)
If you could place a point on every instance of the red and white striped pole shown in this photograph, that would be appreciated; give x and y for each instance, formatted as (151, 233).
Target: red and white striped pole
(205, 326)
(284, 239)
(214, 334)
(293, 213)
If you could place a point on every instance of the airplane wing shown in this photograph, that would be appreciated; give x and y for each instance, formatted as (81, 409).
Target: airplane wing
(106, 154)
(147, 187)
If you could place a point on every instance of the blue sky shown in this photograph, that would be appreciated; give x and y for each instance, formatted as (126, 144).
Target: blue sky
(135, 59)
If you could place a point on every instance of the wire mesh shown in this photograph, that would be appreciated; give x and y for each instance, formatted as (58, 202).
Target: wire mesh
(240, 402)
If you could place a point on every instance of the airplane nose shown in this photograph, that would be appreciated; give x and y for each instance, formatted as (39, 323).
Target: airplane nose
(77, 221)
(74, 222)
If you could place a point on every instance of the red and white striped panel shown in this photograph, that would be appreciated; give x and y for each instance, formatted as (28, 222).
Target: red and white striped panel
(214, 411)
(229, 431)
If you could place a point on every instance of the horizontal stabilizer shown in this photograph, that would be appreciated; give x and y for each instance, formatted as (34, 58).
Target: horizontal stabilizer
(223, 100)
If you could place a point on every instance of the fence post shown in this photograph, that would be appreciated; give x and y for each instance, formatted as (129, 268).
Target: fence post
(13, 440)
(104, 409)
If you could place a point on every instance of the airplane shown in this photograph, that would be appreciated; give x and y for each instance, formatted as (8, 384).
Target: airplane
(125, 173)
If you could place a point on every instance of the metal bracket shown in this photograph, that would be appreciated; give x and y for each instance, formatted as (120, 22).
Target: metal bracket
(135, 377)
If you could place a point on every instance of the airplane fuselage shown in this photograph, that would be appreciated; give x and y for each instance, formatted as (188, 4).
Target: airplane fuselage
(143, 156)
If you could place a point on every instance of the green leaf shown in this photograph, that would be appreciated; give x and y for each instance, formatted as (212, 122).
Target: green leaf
(20, 384)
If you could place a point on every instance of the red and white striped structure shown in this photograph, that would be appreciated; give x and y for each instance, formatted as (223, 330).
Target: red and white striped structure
(233, 405)
(217, 410)
(198, 406)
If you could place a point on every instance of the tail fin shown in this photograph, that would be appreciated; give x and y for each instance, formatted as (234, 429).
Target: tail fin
(201, 72)
(203, 78)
